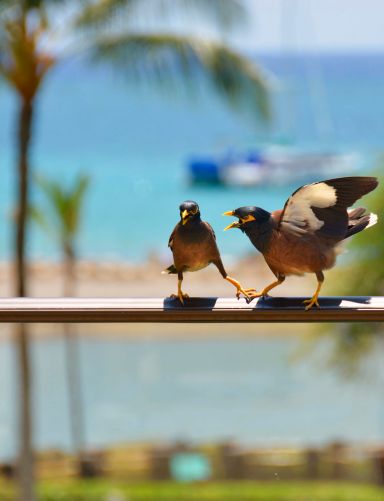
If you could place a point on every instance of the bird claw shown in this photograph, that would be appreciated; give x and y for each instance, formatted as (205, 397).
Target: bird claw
(311, 302)
(245, 293)
(255, 294)
(181, 297)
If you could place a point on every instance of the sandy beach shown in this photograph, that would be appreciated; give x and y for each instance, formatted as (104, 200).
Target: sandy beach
(122, 279)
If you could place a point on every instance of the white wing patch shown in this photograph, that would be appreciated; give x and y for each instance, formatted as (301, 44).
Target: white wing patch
(372, 220)
(299, 216)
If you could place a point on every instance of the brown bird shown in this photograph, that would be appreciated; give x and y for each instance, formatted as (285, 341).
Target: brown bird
(305, 236)
(193, 245)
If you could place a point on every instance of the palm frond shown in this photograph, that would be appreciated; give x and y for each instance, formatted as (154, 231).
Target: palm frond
(104, 12)
(37, 4)
(65, 206)
(38, 216)
(75, 200)
(163, 58)
(22, 63)
(224, 13)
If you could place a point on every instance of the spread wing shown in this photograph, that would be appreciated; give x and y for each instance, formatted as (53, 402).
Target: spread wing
(322, 207)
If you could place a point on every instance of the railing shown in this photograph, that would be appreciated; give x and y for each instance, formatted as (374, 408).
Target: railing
(210, 310)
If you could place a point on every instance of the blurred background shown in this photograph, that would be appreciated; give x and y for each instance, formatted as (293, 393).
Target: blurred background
(112, 113)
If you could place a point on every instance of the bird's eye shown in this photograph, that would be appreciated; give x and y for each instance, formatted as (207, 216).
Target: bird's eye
(194, 211)
(247, 219)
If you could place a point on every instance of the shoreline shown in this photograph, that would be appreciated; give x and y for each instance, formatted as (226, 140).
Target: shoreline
(124, 279)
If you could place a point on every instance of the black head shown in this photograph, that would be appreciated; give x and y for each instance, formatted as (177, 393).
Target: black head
(189, 212)
(248, 216)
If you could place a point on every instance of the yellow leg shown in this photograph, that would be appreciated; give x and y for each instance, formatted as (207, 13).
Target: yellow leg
(180, 293)
(239, 288)
(269, 287)
(314, 299)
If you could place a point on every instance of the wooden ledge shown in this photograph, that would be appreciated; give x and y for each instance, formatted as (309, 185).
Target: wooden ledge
(210, 310)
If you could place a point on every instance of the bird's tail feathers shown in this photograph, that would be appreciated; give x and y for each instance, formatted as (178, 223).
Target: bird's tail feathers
(359, 220)
(171, 269)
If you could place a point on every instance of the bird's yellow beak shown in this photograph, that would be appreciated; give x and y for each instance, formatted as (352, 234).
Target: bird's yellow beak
(235, 224)
(184, 216)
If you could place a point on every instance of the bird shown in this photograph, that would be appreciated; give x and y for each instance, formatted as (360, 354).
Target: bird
(193, 245)
(306, 235)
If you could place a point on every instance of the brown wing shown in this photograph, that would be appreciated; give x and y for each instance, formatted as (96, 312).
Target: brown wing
(170, 241)
(210, 229)
(322, 207)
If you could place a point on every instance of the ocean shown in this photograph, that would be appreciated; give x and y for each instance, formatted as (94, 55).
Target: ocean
(254, 391)
(134, 142)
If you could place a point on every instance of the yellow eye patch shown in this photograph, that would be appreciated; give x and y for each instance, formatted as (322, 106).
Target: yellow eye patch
(247, 219)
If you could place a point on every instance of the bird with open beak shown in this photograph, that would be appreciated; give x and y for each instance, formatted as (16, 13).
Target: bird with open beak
(305, 236)
(193, 245)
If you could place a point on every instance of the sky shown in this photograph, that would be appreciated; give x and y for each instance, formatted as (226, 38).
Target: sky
(314, 25)
(284, 25)
(303, 25)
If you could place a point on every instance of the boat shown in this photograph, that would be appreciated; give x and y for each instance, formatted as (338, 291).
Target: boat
(269, 166)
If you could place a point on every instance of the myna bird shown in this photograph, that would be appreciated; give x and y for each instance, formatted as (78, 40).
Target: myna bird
(193, 245)
(305, 236)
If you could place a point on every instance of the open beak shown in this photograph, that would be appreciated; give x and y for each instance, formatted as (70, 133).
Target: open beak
(184, 216)
(235, 224)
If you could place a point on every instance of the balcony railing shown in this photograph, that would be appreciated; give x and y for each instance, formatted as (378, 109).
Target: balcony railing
(210, 310)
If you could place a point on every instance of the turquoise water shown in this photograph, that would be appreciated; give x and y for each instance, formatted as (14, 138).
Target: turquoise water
(134, 142)
(254, 391)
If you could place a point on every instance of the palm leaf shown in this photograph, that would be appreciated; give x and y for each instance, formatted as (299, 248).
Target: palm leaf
(162, 58)
(39, 217)
(75, 200)
(224, 13)
(65, 207)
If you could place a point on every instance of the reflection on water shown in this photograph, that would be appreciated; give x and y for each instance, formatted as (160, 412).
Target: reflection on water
(246, 389)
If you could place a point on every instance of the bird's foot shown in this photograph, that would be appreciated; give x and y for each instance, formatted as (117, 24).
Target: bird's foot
(311, 302)
(253, 294)
(239, 288)
(181, 296)
(246, 293)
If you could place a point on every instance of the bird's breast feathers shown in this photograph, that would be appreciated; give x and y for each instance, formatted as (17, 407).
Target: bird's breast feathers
(292, 256)
(193, 257)
(194, 248)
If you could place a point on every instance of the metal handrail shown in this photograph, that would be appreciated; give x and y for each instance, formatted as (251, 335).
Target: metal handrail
(209, 310)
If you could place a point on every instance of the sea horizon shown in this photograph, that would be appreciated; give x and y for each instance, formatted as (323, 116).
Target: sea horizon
(135, 143)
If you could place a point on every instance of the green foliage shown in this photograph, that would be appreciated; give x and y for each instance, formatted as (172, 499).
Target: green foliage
(65, 206)
(362, 275)
(225, 13)
(105, 30)
(163, 59)
(226, 491)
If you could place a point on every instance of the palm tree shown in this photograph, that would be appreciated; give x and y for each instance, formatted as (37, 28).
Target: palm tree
(24, 67)
(65, 207)
(104, 30)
